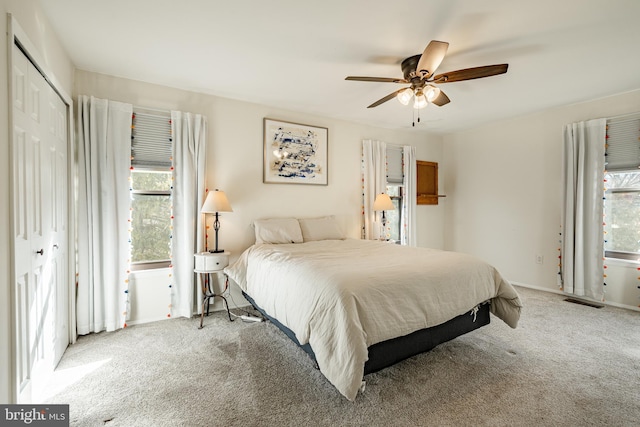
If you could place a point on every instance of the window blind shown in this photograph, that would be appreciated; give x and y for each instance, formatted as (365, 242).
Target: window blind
(151, 140)
(394, 165)
(623, 144)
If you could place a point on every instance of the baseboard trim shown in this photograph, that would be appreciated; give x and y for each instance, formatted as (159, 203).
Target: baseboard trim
(559, 292)
(537, 288)
(147, 320)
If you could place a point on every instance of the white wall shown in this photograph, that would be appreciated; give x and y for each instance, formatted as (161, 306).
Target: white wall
(36, 26)
(430, 219)
(502, 182)
(234, 161)
(149, 296)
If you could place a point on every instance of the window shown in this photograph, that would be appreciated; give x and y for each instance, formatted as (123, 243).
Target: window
(150, 218)
(151, 184)
(622, 215)
(394, 217)
(395, 179)
(622, 183)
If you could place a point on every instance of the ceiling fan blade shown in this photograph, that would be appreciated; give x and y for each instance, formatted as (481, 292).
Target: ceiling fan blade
(376, 79)
(431, 58)
(385, 99)
(471, 73)
(441, 100)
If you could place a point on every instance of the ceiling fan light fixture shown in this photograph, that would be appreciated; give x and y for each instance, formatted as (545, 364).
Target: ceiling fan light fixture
(420, 101)
(404, 96)
(431, 93)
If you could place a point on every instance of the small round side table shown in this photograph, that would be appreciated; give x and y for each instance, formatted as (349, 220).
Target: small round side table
(208, 264)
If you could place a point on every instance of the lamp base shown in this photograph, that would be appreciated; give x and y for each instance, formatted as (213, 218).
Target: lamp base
(216, 251)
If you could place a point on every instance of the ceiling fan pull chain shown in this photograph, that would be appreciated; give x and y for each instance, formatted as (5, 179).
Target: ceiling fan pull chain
(414, 118)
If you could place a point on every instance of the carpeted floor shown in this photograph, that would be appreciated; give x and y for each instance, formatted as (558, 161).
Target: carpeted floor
(565, 365)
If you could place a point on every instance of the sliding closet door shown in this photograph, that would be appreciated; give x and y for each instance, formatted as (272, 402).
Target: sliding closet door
(59, 220)
(40, 200)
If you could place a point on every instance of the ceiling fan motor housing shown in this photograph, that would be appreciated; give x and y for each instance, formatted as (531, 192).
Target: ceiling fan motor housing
(409, 66)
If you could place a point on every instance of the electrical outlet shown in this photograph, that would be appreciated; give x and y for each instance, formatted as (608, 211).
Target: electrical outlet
(539, 259)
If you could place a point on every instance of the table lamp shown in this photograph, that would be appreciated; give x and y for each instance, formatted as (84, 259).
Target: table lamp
(383, 203)
(215, 203)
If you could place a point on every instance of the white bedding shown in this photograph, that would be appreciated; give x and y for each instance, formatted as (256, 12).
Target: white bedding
(342, 296)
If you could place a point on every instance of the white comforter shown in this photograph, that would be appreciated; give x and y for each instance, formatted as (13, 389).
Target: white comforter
(342, 296)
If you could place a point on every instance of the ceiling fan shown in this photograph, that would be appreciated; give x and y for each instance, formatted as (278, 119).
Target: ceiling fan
(419, 72)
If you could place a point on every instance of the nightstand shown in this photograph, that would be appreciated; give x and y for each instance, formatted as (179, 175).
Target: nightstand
(209, 264)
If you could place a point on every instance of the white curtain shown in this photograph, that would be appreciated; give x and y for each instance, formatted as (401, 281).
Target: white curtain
(409, 198)
(189, 144)
(374, 182)
(582, 230)
(104, 141)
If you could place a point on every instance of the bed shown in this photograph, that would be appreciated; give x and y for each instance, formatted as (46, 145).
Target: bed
(357, 306)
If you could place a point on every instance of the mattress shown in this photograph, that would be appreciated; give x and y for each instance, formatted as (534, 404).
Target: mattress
(344, 296)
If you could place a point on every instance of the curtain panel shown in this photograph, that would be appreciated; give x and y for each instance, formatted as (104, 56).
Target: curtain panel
(582, 272)
(104, 138)
(374, 182)
(409, 197)
(189, 154)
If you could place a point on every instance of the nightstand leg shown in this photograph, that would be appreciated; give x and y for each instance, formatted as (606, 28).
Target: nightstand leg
(226, 304)
(202, 312)
(209, 292)
(205, 299)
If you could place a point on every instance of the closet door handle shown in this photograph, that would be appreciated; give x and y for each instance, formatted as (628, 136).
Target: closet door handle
(41, 252)
(55, 246)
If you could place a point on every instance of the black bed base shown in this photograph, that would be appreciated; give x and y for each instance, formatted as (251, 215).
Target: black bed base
(390, 352)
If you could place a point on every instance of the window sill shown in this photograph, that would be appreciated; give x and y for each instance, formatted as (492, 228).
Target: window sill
(151, 265)
(622, 262)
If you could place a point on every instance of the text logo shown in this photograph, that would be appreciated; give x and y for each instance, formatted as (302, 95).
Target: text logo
(34, 415)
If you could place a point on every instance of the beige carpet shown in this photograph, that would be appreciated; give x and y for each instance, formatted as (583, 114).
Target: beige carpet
(565, 365)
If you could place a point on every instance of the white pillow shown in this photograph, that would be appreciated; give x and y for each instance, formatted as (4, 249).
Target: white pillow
(324, 228)
(277, 230)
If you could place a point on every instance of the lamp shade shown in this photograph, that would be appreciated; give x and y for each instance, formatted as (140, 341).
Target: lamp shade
(431, 92)
(405, 95)
(216, 201)
(420, 100)
(383, 203)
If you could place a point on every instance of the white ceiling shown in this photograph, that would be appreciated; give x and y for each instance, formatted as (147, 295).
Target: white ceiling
(295, 54)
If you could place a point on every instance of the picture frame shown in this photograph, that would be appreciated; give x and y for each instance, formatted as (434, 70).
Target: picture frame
(294, 153)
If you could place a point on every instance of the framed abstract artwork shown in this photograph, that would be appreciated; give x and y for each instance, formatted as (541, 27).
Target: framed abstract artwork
(294, 153)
